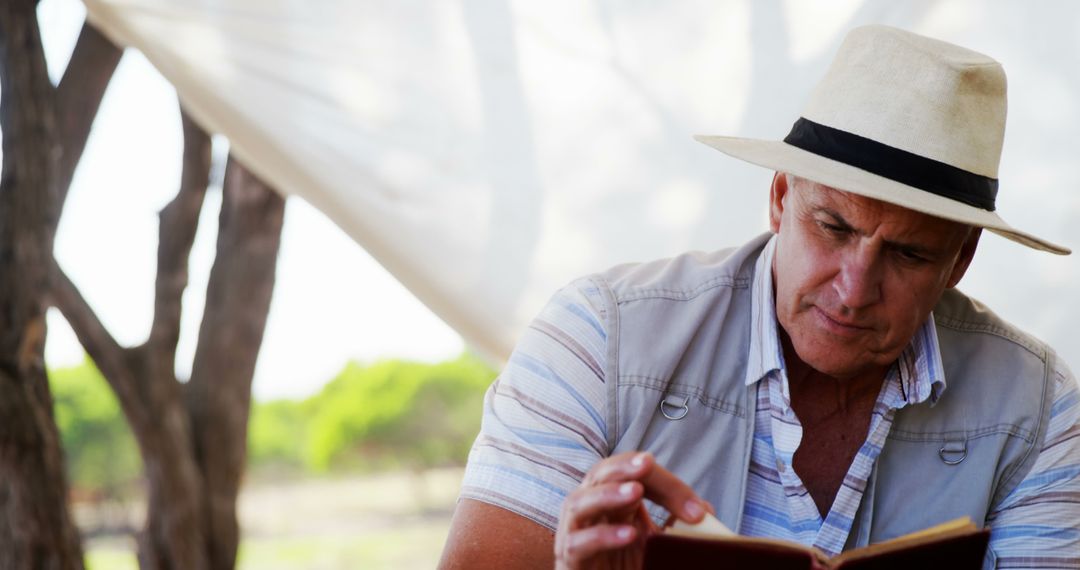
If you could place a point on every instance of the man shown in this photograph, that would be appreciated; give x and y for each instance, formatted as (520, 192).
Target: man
(824, 383)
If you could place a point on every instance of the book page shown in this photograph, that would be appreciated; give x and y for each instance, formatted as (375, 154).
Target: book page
(710, 526)
(935, 533)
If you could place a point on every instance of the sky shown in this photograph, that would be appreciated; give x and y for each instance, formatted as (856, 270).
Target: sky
(332, 302)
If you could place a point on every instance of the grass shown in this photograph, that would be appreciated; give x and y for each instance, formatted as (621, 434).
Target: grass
(110, 558)
(415, 547)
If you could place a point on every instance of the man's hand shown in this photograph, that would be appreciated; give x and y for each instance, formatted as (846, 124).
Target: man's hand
(604, 522)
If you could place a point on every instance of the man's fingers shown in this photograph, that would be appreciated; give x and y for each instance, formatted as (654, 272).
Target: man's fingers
(612, 500)
(665, 489)
(593, 519)
(661, 486)
(626, 466)
(588, 542)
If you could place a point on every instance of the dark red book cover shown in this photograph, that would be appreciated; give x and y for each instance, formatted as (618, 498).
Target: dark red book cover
(961, 549)
(665, 551)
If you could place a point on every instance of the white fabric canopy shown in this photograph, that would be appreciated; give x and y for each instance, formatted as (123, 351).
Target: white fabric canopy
(486, 152)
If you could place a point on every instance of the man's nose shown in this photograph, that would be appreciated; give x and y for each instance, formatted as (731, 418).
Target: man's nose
(858, 283)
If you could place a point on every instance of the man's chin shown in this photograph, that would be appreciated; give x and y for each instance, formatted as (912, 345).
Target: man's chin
(837, 362)
(831, 355)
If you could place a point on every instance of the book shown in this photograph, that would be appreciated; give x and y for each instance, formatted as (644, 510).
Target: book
(958, 545)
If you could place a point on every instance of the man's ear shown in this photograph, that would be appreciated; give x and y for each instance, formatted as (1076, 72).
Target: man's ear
(963, 260)
(777, 194)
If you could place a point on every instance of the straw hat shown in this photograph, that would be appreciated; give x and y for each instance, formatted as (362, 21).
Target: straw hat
(905, 119)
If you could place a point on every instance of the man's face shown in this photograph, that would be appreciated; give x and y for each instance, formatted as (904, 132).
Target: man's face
(856, 277)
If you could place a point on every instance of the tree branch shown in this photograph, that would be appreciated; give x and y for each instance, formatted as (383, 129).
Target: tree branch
(78, 97)
(242, 278)
(179, 222)
(111, 358)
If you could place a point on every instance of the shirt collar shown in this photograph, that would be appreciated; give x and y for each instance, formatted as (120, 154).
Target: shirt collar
(922, 375)
(766, 354)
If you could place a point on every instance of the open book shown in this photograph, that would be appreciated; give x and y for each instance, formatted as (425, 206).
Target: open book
(957, 545)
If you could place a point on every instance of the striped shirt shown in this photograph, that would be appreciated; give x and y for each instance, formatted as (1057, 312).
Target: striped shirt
(544, 427)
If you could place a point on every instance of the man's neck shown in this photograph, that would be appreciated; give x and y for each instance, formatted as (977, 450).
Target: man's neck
(805, 380)
(835, 416)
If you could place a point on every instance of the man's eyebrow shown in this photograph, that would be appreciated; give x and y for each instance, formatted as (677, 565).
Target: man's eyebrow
(841, 223)
(837, 219)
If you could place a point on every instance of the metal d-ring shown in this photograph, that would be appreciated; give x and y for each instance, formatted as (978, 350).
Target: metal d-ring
(953, 447)
(680, 409)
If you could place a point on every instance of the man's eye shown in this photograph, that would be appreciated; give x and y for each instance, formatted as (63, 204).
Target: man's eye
(833, 228)
(910, 256)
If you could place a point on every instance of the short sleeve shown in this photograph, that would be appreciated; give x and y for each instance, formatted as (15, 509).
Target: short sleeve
(1038, 524)
(544, 422)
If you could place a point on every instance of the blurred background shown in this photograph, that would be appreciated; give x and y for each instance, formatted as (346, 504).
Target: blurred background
(448, 165)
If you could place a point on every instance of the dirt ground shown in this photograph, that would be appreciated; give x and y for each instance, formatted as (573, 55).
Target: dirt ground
(393, 520)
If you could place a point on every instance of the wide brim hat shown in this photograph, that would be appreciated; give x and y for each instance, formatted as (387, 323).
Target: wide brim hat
(904, 119)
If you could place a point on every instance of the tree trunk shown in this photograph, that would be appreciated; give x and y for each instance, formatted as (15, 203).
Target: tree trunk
(219, 392)
(35, 528)
(193, 436)
(175, 535)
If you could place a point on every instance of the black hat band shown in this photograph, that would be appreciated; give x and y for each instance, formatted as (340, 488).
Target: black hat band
(895, 164)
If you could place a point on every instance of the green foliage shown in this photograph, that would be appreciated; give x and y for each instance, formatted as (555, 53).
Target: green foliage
(393, 413)
(99, 450)
(389, 414)
(277, 433)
